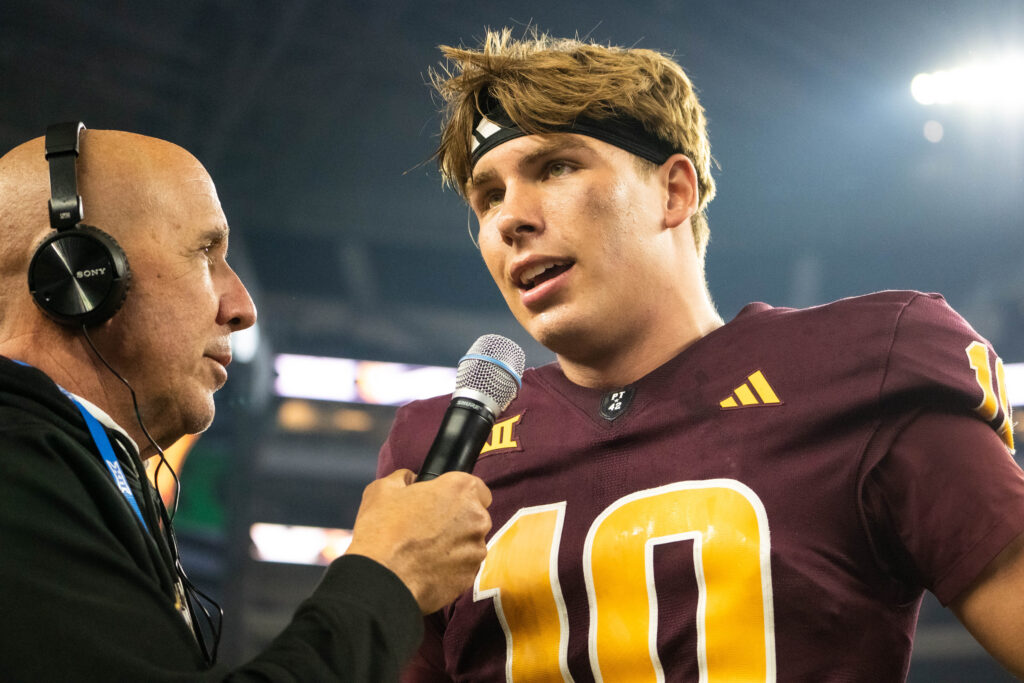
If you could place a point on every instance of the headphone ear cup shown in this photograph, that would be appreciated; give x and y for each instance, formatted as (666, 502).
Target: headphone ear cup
(79, 276)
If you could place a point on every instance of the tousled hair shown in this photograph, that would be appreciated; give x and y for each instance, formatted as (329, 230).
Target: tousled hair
(544, 83)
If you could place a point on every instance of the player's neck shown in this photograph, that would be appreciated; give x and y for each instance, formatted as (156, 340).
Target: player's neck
(625, 363)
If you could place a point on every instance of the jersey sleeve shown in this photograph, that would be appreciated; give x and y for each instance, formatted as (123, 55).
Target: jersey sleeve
(945, 496)
(390, 457)
(411, 433)
(939, 361)
(949, 498)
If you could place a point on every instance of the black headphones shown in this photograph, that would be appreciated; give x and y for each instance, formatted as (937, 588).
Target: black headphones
(79, 274)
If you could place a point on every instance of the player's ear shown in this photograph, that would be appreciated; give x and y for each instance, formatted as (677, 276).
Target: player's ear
(682, 194)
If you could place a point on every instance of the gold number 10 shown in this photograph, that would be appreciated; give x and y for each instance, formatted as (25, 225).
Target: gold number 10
(727, 524)
(994, 396)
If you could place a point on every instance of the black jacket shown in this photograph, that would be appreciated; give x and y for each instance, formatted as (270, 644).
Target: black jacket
(87, 594)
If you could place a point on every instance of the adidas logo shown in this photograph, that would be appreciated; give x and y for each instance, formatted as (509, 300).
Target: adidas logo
(754, 392)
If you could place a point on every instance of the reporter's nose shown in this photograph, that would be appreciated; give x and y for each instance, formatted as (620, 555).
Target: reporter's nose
(237, 309)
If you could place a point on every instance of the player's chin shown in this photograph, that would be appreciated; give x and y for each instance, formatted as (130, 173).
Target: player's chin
(561, 335)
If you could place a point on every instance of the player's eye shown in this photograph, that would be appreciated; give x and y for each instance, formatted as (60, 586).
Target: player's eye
(485, 201)
(557, 169)
(493, 198)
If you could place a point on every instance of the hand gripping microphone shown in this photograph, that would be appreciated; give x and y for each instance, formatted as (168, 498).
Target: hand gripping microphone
(488, 378)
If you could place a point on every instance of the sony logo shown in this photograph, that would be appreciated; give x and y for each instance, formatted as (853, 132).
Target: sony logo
(90, 272)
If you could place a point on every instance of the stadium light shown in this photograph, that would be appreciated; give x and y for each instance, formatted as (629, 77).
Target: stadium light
(998, 84)
(358, 381)
(245, 343)
(1015, 384)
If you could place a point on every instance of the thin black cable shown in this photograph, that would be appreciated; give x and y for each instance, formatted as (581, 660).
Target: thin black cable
(156, 480)
(138, 416)
(193, 595)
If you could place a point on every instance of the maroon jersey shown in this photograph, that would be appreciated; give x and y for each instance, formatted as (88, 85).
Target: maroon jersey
(768, 505)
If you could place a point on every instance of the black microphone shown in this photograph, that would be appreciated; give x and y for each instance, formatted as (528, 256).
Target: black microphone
(488, 378)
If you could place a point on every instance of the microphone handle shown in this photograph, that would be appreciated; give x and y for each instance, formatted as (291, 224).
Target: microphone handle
(463, 432)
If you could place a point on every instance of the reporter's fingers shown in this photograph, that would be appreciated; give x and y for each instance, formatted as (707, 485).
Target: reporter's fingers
(482, 492)
(399, 478)
(477, 496)
(392, 482)
(460, 480)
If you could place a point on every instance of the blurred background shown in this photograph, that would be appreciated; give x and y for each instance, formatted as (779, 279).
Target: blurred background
(834, 178)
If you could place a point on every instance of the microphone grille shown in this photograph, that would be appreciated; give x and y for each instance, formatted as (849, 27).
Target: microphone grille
(488, 367)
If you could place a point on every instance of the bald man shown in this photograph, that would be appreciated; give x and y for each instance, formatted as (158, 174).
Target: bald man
(89, 588)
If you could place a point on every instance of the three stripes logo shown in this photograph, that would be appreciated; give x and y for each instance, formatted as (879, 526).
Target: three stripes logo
(754, 392)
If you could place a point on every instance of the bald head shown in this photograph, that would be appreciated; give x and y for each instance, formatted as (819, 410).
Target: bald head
(171, 337)
(125, 181)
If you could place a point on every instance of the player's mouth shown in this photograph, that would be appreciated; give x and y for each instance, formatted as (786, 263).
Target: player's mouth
(535, 275)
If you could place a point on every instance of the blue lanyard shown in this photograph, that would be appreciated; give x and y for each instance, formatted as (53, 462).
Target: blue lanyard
(102, 441)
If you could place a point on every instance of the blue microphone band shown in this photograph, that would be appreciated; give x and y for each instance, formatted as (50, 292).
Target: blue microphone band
(494, 361)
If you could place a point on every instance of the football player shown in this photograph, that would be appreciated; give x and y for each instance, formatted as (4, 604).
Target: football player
(678, 498)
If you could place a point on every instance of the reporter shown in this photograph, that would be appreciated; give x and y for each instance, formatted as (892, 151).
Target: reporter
(90, 584)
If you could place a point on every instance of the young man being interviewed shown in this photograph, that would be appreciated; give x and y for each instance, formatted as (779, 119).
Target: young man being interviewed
(676, 498)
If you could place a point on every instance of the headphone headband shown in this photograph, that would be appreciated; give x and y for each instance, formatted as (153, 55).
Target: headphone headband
(62, 154)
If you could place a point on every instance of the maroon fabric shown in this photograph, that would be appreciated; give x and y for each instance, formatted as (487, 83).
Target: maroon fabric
(876, 477)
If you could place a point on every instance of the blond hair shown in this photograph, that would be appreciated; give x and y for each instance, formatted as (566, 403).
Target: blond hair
(544, 83)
